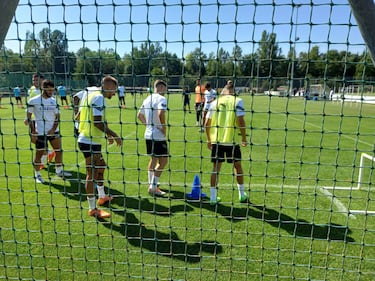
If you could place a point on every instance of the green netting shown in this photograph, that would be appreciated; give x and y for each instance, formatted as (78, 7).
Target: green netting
(306, 79)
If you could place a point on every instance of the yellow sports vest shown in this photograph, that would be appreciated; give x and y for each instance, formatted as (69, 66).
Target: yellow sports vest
(33, 92)
(86, 119)
(223, 127)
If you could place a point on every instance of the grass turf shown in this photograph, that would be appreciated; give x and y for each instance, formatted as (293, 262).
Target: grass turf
(293, 230)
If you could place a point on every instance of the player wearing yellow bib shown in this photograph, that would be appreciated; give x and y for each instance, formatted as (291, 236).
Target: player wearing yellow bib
(35, 88)
(92, 130)
(225, 118)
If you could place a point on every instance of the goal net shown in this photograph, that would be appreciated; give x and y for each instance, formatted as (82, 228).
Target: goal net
(307, 161)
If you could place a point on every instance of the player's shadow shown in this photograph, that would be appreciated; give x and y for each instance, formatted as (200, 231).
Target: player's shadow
(164, 244)
(295, 227)
(73, 187)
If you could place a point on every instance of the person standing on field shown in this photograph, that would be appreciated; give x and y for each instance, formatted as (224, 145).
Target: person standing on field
(62, 93)
(45, 128)
(225, 118)
(209, 96)
(199, 101)
(186, 98)
(33, 92)
(152, 114)
(17, 95)
(121, 96)
(92, 130)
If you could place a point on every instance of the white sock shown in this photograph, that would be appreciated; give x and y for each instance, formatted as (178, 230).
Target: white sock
(150, 175)
(213, 193)
(154, 183)
(37, 173)
(241, 189)
(92, 202)
(101, 191)
(44, 158)
(58, 169)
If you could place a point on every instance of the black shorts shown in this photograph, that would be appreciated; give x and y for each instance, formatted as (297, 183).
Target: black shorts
(63, 97)
(41, 141)
(198, 106)
(157, 148)
(18, 98)
(90, 149)
(232, 153)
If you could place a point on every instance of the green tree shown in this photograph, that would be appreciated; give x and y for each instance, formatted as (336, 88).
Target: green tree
(195, 63)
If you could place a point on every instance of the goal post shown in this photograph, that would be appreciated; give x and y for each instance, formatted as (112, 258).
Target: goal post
(364, 13)
(360, 181)
(8, 9)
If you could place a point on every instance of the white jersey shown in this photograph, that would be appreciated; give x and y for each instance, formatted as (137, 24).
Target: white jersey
(45, 111)
(150, 109)
(209, 96)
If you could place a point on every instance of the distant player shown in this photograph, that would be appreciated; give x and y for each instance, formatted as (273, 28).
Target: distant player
(121, 95)
(199, 101)
(61, 90)
(186, 99)
(209, 96)
(17, 96)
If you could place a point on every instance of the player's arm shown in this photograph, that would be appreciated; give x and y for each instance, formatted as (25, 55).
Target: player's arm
(103, 126)
(242, 126)
(163, 127)
(208, 134)
(55, 124)
(142, 117)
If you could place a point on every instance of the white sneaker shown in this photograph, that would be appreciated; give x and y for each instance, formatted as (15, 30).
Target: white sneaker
(156, 192)
(39, 179)
(63, 174)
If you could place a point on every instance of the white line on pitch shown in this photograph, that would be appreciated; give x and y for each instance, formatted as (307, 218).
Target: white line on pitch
(341, 208)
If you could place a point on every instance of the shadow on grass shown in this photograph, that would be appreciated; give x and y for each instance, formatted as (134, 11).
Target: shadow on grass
(138, 234)
(163, 244)
(295, 227)
(73, 187)
(150, 238)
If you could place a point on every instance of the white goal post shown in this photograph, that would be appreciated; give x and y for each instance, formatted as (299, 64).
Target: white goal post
(364, 156)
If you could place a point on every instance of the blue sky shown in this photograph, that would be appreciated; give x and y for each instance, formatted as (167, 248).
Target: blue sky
(180, 26)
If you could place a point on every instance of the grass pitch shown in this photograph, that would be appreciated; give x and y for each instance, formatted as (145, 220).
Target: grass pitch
(295, 229)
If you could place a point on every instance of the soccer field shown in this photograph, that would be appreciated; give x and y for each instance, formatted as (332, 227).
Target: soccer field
(298, 227)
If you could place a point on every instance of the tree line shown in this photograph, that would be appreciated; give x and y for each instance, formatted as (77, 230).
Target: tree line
(267, 68)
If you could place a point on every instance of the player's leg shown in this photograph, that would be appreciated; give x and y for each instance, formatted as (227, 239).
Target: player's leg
(55, 142)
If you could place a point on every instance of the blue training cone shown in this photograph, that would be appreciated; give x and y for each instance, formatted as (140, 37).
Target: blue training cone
(196, 191)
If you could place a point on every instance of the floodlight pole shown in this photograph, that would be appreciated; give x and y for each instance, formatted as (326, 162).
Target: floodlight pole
(8, 9)
(291, 87)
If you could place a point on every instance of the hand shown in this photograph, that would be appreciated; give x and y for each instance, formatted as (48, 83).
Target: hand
(51, 132)
(118, 141)
(34, 137)
(209, 145)
(110, 140)
(244, 143)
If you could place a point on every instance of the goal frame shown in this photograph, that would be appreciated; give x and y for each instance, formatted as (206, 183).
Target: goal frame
(364, 156)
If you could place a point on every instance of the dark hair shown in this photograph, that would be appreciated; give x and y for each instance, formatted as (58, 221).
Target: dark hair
(208, 85)
(48, 84)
